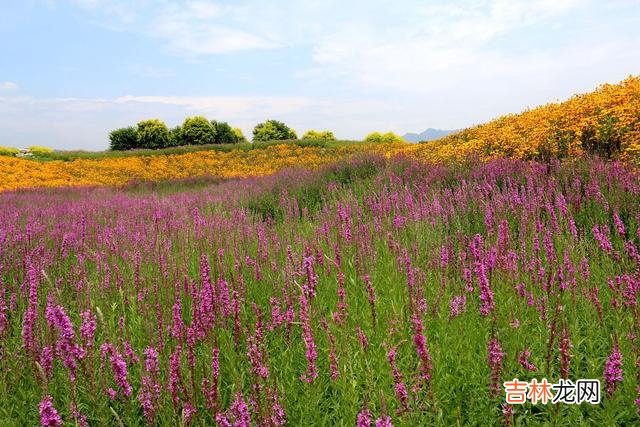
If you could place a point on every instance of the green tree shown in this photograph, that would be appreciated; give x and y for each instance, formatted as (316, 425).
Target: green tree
(198, 131)
(377, 137)
(273, 130)
(152, 134)
(224, 133)
(175, 137)
(123, 139)
(239, 135)
(325, 135)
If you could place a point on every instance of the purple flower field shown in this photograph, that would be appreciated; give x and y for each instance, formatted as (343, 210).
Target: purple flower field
(371, 292)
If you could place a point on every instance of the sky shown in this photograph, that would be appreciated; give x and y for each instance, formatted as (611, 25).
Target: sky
(72, 70)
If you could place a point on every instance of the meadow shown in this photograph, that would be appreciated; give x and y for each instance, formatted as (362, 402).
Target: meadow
(378, 289)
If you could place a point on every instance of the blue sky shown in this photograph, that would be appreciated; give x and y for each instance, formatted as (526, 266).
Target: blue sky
(72, 70)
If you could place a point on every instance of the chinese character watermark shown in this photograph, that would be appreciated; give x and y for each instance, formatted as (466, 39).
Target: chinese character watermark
(543, 392)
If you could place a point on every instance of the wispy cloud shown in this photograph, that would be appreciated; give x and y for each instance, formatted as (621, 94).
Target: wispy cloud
(186, 28)
(8, 87)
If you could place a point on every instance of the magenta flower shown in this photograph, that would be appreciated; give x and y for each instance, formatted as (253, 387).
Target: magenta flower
(495, 357)
(119, 369)
(31, 313)
(617, 221)
(333, 358)
(240, 412)
(399, 386)
(486, 294)
(177, 324)
(371, 293)
(364, 342)
(565, 357)
(384, 421)
(613, 370)
(458, 304)
(364, 418)
(150, 389)
(420, 343)
(188, 412)
(256, 348)
(4, 321)
(48, 415)
(307, 336)
(88, 327)
(523, 359)
(175, 377)
(341, 315)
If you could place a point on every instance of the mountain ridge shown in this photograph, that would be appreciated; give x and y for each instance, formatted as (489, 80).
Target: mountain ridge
(428, 135)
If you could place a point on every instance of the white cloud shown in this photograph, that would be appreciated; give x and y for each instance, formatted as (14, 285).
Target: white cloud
(8, 87)
(189, 28)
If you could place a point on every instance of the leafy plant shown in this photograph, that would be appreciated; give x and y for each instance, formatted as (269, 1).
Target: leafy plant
(153, 134)
(40, 151)
(325, 135)
(8, 151)
(272, 130)
(224, 133)
(387, 137)
(198, 131)
(123, 139)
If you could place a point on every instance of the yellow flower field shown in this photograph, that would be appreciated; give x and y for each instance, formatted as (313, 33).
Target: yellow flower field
(605, 122)
(21, 173)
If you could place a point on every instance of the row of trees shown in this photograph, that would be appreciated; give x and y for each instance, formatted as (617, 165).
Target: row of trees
(154, 134)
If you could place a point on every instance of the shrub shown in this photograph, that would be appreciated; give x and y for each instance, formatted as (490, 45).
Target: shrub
(123, 139)
(224, 133)
(8, 151)
(377, 137)
(40, 151)
(198, 131)
(273, 130)
(239, 135)
(176, 137)
(325, 135)
(152, 134)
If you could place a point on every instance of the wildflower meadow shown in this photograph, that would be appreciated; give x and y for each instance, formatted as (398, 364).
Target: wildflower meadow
(372, 291)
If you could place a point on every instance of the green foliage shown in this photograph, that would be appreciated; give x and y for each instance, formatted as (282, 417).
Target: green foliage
(123, 139)
(240, 138)
(224, 133)
(40, 151)
(311, 194)
(198, 131)
(325, 135)
(152, 134)
(175, 137)
(8, 151)
(272, 130)
(388, 137)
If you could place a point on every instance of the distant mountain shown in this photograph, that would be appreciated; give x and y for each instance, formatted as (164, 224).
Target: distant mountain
(427, 135)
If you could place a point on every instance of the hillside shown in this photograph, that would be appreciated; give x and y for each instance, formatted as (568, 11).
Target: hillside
(604, 122)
